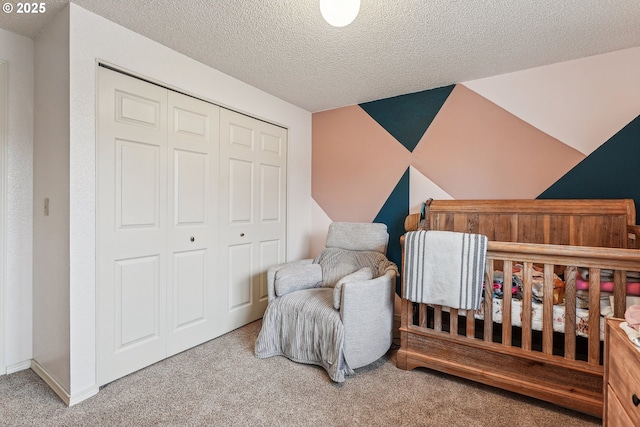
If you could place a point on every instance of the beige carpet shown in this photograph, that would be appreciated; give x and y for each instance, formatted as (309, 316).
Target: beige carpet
(222, 383)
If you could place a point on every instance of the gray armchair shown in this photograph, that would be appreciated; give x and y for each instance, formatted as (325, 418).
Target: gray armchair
(335, 311)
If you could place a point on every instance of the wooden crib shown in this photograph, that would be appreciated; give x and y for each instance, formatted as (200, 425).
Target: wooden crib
(550, 238)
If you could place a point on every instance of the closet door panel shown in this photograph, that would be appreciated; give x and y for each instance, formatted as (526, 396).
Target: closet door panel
(241, 192)
(132, 225)
(240, 275)
(190, 184)
(137, 301)
(271, 253)
(272, 202)
(253, 211)
(189, 272)
(270, 195)
(137, 184)
(193, 308)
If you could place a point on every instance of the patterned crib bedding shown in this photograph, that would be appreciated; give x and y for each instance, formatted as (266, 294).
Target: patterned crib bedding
(582, 300)
(582, 316)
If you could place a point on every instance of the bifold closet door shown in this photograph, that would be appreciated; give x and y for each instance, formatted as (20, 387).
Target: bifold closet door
(194, 311)
(131, 224)
(157, 224)
(252, 210)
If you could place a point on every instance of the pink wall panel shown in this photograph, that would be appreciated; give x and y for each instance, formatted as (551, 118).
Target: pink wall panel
(355, 164)
(475, 149)
(582, 103)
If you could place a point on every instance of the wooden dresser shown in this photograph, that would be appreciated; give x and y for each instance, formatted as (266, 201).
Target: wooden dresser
(621, 378)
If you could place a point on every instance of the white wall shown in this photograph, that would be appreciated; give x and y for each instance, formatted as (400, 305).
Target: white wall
(17, 51)
(4, 106)
(94, 39)
(51, 180)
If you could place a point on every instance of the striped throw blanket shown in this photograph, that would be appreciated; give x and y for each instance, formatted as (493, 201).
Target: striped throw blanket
(444, 268)
(304, 327)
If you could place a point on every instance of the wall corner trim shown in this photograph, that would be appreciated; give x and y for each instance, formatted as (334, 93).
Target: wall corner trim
(68, 399)
(4, 147)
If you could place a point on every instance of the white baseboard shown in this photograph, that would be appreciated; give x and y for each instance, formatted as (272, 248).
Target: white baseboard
(67, 398)
(83, 395)
(17, 367)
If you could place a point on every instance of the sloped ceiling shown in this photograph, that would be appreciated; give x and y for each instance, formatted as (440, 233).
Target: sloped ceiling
(285, 48)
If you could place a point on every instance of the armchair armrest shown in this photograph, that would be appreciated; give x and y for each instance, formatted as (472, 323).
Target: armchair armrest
(271, 275)
(367, 315)
(292, 276)
(361, 275)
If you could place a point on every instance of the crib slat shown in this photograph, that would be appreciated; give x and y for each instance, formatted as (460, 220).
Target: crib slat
(488, 302)
(594, 321)
(619, 293)
(453, 321)
(422, 315)
(506, 302)
(547, 310)
(570, 312)
(471, 324)
(526, 306)
(405, 314)
(437, 318)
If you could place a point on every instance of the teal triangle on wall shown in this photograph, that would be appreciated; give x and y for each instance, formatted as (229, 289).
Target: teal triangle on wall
(611, 172)
(393, 213)
(407, 117)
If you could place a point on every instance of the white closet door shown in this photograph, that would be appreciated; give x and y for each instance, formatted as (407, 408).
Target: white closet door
(193, 223)
(252, 210)
(187, 226)
(132, 224)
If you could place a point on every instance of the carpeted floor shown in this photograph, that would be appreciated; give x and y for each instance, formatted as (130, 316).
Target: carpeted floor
(222, 383)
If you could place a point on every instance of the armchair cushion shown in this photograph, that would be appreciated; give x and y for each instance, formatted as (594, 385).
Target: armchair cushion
(358, 236)
(295, 277)
(361, 275)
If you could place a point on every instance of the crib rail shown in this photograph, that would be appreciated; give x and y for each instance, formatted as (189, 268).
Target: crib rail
(551, 258)
(563, 368)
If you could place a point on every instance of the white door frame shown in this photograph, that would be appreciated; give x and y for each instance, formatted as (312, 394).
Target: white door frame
(3, 207)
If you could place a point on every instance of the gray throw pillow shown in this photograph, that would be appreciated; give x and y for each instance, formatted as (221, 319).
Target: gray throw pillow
(291, 278)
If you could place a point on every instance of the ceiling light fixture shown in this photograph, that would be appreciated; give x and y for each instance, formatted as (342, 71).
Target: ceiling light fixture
(339, 13)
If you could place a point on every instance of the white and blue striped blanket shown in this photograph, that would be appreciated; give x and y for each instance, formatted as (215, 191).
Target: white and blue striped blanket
(444, 268)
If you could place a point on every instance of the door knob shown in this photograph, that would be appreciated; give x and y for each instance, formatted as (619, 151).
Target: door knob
(193, 239)
(241, 234)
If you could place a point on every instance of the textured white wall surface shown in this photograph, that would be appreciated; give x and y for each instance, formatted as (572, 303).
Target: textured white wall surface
(4, 102)
(95, 39)
(17, 51)
(51, 348)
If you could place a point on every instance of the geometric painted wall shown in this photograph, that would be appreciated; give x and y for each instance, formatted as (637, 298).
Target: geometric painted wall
(568, 130)
(611, 171)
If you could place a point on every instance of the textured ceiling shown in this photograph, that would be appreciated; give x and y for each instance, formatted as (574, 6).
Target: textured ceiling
(285, 48)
